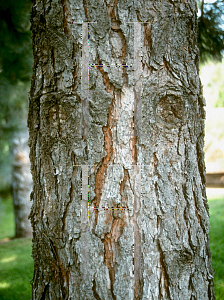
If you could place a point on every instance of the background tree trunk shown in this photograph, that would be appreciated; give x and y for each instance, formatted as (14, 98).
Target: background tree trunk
(119, 205)
(22, 185)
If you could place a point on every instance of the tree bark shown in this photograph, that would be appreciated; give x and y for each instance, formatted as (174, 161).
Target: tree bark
(21, 185)
(116, 124)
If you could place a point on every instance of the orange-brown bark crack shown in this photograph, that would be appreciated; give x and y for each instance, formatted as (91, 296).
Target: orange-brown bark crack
(75, 67)
(109, 242)
(101, 172)
(58, 267)
(65, 18)
(115, 25)
(147, 35)
(108, 85)
(137, 234)
(87, 10)
(137, 250)
(122, 187)
(71, 192)
(111, 10)
(134, 149)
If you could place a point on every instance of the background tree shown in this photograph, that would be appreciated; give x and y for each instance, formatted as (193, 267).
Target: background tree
(211, 33)
(118, 215)
(15, 73)
(21, 185)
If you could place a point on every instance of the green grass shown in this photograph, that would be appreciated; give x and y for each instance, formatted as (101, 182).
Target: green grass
(16, 269)
(7, 222)
(16, 264)
(216, 205)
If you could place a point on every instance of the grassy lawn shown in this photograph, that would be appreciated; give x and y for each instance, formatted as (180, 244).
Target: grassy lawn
(216, 204)
(16, 264)
(7, 223)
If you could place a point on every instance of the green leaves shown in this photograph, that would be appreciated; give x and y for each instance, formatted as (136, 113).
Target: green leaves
(211, 34)
(15, 41)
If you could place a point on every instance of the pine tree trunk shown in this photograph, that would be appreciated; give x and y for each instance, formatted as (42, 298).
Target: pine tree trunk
(116, 137)
(22, 185)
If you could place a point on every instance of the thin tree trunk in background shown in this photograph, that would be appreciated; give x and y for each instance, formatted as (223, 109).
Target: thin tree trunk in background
(22, 185)
(119, 202)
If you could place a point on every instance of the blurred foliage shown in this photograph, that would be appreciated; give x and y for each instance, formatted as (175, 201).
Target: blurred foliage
(211, 33)
(212, 75)
(220, 101)
(15, 40)
(15, 74)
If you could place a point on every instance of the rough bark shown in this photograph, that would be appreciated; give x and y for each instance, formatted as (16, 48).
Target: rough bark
(119, 202)
(22, 185)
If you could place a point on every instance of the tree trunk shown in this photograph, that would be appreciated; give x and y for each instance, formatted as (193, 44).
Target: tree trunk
(22, 185)
(116, 137)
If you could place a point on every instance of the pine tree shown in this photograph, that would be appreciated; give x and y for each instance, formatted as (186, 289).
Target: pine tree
(211, 34)
(119, 208)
